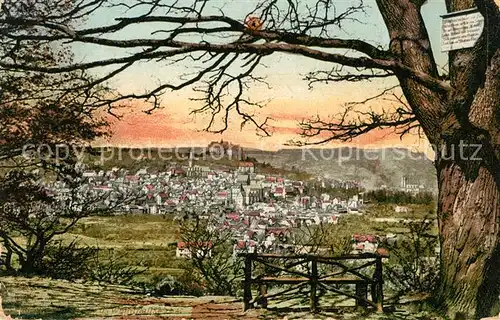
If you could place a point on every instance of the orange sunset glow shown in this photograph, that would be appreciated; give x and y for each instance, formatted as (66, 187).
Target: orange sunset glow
(173, 126)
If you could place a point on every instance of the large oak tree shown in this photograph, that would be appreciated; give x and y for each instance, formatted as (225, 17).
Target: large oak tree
(46, 122)
(454, 111)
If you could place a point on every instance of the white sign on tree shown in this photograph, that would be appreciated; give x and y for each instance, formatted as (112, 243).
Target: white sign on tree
(461, 29)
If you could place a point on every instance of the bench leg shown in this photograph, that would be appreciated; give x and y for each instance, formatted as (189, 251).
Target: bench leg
(246, 302)
(263, 292)
(361, 293)
(377, 296)
(247, 284)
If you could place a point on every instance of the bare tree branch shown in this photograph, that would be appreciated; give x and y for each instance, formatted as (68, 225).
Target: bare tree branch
(352, 122)
(288, 27)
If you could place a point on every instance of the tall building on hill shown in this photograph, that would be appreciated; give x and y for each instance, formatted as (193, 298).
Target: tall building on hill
(191, 157)
(225, 149)
(410, 185)
(404, 181)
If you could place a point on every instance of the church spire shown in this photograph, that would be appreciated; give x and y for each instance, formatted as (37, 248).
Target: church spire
(191, 156)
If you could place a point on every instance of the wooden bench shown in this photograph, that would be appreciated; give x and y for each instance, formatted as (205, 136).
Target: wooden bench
(360, 297)
(294, 280)
(297, 280)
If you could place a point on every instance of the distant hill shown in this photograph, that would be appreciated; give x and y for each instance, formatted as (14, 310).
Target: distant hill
(372, 167)
(159, 159)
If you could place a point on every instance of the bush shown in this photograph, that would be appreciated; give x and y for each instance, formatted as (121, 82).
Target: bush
(192, 283)
(167, 286)
(414, 266)
(211, 259)
(108, 267)
(71, 262)
(68, 261)
(187, 284)
(183, 285)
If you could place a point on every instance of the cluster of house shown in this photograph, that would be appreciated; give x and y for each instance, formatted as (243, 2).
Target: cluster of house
(201, 189)
(262, 238)
(410, 186)
(261, 211)
(407, 185)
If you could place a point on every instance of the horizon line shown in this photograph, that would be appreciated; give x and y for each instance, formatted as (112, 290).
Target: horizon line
(284, 147)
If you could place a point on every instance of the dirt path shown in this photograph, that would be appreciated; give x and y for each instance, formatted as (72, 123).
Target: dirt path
(45, 299)
(201, 311)
(223, 311)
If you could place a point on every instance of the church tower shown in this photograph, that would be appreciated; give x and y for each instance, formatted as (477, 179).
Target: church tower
(191, 156)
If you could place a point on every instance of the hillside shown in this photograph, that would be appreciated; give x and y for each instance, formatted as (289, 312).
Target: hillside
(38, 298)
(373, 167)
(159, 159)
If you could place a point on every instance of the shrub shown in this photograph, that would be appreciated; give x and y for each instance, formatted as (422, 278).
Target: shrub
(211, 257)
(413, 266)
(187, 284)
(183, 285)
(68, 261)
(107, 266)
(191, 283)
(71, 262)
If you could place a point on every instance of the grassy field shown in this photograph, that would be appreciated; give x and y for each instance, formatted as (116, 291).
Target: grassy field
(415, 211)
(144, 241)
(383, 219)
(149, 241)
(38, 298)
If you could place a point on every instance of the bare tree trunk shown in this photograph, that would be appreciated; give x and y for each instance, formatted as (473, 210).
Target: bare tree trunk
(468, 212)
(468, 207)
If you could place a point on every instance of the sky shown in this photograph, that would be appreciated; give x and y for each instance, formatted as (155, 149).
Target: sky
(289, 99)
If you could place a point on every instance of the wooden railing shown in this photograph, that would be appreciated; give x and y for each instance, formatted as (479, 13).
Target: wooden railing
(325, 273)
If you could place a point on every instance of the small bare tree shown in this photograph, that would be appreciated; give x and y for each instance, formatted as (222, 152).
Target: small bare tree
(413, 264)
(322, 238)
(46, 120)
(211, 255)
(32, 218)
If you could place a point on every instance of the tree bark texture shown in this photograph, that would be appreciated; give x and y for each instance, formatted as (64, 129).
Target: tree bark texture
(464, 127)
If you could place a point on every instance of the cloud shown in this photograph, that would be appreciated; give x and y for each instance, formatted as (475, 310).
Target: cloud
(288, 116)
(286, 130)
(170, 127)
